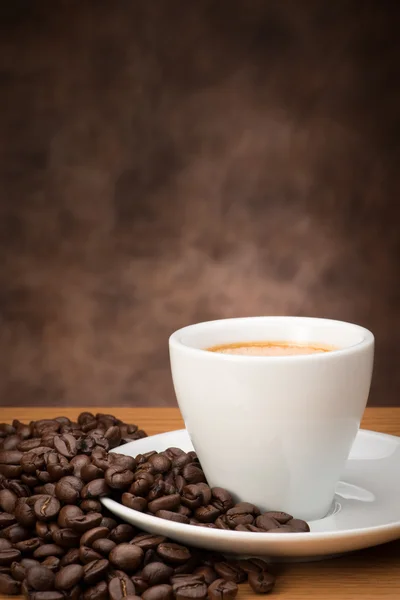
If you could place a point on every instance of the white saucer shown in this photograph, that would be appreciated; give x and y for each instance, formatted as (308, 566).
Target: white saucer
(365, 512)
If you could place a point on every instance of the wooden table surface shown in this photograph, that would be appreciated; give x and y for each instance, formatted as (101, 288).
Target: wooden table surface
(370, 574)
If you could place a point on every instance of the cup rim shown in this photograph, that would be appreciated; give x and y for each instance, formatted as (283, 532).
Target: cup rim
(367, 340)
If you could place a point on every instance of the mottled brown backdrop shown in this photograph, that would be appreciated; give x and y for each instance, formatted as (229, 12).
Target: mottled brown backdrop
(169, 161)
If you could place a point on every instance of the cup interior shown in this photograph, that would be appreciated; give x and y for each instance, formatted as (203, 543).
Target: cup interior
(301, 330)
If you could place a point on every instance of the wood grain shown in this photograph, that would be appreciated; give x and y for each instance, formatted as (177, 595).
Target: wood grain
(370, 574)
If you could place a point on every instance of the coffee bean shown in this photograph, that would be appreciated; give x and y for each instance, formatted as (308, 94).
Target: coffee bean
(126, 556)
(266, 522)
(48, 550)
(16, 533)
(5, 544)
(185, 590)
(97, 592)
(10, 457)
(8, 500)
(193, 474)
(281, 529)
(68, 489)
(28, 445)
(128, 462)
(9, 586)
(82, 522)
(122, 533)
(49, 595)
(9, 555)
(6, 519)
(164, 503)
(27, 563)
(95, 489)
(66, 445)
(87, 555)
(94, 571)
(160, 463)
(90, 472)
(148, 541)
(261, 582)
(253, 565)
(66, 538)
(120, 587)
(173, 553)
(68, 511)
(172, 516)
(28, 546)
(206, 514)
(40, 578)
(298, 525)
(222, 589)
(134, 502)
(140, 584)
(78, 462)
(93, 534)
(108, 522)
(70, 558)
(52, 563)
(43, 531)
(104, 546)
(118, 477)
(113, 435)
(91, 506)
(230, 571)
(18, 571)
(157, 572)
(207, 573)
(281, 517)
(46, 508)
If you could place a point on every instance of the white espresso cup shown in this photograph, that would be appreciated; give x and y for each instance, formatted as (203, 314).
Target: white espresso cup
(273, 430)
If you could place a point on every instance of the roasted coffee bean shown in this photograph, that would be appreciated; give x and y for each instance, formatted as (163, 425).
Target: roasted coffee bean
(230, 571)
(97, 592)
(281, 529)
(281, 517)
(149, 557)
(158, 592)
(5, 544)
(148, 541)
(8, 556)
(160, 463)
(261, 582)
(266, 522)
(298, 525)
(118, 478)
(28, 445)
(244, 508)
(18, 571)
(140, 584)
(28, 546)
(16, 533)
(20, 489)
(66, 538)
(6, 430)
(120, 587)
(91, 506)
(104, 546)
(52, 563)
(193, 474)
(82, 522)
(127, 557)
(157, 572)
(94, 571)
(68, 511)
(48, 550)
(43, 531)
(113, 435)
(95, 489)
(141, 485)
(108, 522)
(40, 578)
(10, 457)
(11, 443)
(46, 508)
(254, 565)
(173, 553)
(78, 462)
(49, 595)
(8, 500)
(192, 496)
(134, 502)
(164, 503)
(87, 555)
(185, 590)
(122, 533)
(6, 519)
(222, 589)
(206, 514)
(122, 460)
(207, 573)
(24, 513)
(70, 558)
(185, 577)
(172, 516)
(66, 445)
(27, 563)
(90, 472)
(9, 586)
(95, 533)
(68, 489)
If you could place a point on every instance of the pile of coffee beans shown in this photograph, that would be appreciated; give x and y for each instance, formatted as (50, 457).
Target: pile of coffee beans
(57, 540)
